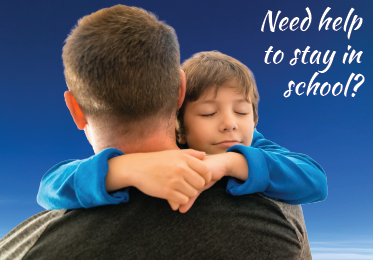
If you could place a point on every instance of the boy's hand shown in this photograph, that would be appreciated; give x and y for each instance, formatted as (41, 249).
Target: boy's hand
(174, 175)
(184, 208)
(218, 164)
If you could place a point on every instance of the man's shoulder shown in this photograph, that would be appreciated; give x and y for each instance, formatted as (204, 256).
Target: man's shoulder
(242, 227)
(294, 215)
(20, 239)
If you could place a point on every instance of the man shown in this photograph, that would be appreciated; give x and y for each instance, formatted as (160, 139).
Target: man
(122, 70)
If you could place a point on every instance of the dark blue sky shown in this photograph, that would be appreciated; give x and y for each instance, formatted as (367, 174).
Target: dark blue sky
(37, 130)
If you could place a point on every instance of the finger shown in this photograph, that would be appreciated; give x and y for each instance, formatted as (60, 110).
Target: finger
(184, 208)
(200, 168)
(197, 154)
(194, 179)
(174, 205)
(185, 188)
(208, 186)
(177, 197)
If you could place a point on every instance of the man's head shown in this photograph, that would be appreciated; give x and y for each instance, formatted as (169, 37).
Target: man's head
(221, 102)
(122, 66)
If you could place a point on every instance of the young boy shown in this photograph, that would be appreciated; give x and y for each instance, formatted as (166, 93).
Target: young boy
(218, 116)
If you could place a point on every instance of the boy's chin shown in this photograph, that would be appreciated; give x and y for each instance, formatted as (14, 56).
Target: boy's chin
(217, 150)
(222, 148)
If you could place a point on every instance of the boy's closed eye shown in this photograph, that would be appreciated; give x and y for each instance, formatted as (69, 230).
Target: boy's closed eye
(242, 113)
(207, 115)
(239, 113)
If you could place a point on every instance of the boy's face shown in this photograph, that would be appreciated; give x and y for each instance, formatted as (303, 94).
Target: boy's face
(213, 124)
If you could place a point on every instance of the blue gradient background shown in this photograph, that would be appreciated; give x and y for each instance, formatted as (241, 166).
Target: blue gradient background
(37, 130)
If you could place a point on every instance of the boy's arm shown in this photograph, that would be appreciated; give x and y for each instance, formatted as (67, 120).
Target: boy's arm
(292, 177)
(79, 184)
(268, 168)
(173, 175)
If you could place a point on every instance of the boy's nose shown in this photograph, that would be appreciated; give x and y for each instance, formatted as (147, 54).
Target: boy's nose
(228, 124)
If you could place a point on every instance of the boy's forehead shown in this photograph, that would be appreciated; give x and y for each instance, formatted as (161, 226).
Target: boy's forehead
(214, 94)
(213, 91)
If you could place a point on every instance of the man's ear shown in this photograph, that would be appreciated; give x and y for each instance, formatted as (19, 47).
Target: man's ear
(181, 139)
(179, 136)
(75, 110)
(182, 89)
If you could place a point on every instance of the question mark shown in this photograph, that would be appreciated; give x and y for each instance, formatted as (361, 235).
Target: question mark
(358, 84)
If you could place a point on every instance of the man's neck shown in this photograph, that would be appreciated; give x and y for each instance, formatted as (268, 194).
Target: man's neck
(152, 141)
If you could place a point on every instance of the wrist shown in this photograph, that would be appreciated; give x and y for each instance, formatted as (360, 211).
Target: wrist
(236, 166)
(229, 157)
(118, 177)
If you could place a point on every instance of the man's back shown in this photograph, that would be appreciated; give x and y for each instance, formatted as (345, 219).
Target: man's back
(219, 226)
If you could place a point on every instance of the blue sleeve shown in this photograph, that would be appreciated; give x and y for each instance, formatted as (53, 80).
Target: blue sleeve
(80, 184)
(291, 177)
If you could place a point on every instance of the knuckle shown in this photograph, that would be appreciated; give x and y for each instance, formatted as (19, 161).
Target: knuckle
(179, 167)
(184, 200)
(182, 171)
(201, 184)
(186, 156)
(205, 168)
(168, 193)
(173, 182)
(209, 175)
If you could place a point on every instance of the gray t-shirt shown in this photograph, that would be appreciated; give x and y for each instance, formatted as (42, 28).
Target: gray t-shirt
(218, 226)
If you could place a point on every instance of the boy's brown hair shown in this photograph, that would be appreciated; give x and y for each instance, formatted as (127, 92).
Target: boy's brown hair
(123, 64)
(206, 70)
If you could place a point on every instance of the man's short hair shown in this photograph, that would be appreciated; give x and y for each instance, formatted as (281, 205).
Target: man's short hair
(212, 69)
(122, 63)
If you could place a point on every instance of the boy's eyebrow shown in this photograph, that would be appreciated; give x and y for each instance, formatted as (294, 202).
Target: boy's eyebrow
(207, 101)
(212, 101)
(242, 100)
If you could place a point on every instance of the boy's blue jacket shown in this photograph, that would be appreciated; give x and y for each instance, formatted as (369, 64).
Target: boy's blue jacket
(291, 177)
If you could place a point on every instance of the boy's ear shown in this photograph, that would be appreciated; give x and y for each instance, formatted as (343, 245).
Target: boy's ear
(75, 110)
(182, 89)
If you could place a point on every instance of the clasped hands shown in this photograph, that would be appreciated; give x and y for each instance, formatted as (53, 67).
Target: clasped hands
(216, 166)
(179, 176)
